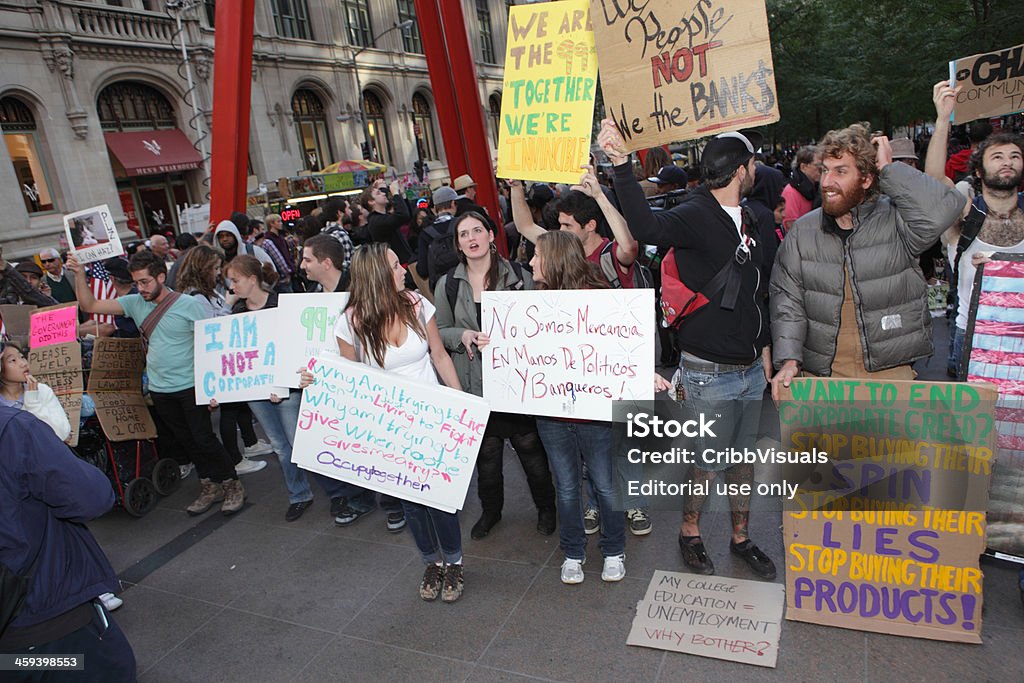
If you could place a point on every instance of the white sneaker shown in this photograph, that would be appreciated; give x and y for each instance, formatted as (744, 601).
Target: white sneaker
(111, 601)
(614, 568)
(249, 466)
(572, 570)
(261, 447)
(186, 470)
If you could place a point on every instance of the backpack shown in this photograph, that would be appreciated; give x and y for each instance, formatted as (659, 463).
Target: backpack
(441, 254)
(642, 276)
(451, 285)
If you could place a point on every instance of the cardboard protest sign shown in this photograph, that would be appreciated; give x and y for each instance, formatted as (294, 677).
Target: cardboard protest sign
(992, 84)
(717, 617)
(676, 72)
(115, 385)
(16, 320)
(547, 109)
(53, 325)
(568, 353)
(59, 366)
(387, 433)
(886, 536)
(994, 352)
(92, 235)
(307, 323)
(236, 357)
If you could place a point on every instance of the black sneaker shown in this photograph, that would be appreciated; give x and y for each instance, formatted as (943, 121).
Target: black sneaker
(695, 555)
(453, 583)
(348, 515)
(296, 510)
(484, 525)
(546, 521)
(396, 521)
(433, 577)
(337, 505)
(755, 558)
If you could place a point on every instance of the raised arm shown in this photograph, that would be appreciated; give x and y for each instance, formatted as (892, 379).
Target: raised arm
(521, 215)
(86, 300)
(628, 246)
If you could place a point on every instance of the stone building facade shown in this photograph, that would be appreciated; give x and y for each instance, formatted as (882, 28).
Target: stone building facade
(95, 105)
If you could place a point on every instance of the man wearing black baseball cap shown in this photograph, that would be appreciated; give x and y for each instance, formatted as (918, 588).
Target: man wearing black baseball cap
(718, 253)
(670, 178)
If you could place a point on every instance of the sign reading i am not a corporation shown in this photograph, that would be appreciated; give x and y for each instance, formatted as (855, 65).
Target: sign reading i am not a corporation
(236, 357)
(568, 353)
(388, 433)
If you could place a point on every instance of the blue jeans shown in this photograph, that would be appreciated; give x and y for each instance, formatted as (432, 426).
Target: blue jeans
(279, 422)
(956, 351)
(708, 382)
(626, 471)
(437, 533)
(567, 445)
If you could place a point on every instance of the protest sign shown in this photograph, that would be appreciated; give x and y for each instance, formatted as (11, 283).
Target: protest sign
(387, 433)
(53, 325)
(886, 536)
(568, 353)
(236, 357)
(708, 616)
(59, 366)
(547, 109)
(115, 385)
(307, 321)
(675, 72)
(994, 352)
(92, 235)
(991, 84)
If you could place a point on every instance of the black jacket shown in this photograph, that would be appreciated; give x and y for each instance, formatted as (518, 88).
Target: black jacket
(764, 197)
(705, 239)
(387, 227)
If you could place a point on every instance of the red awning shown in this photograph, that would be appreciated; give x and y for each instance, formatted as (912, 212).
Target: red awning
(151, 152)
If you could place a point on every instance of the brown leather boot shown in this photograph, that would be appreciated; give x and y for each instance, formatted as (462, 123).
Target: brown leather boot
(209, 493)
(234, 497)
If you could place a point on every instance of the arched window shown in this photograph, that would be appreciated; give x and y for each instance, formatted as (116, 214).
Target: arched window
(423, 127)
(494, 112)
(377, 127)
(19, 130)
(311, 124)
(129, 105)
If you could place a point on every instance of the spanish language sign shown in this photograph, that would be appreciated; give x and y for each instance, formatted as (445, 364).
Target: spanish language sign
(568, 353)
(236, 357)
(387, 433)
(547, 107)
(92, 235)
(994, 349)
(676, 71)
(991, 84)
(307, 321)
(53, 325)
(115, 385)
(710, 616)
(886, 536)
(59, 366)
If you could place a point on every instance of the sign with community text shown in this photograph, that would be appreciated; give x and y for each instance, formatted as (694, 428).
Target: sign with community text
(568, 353)
(991, 84)
(92, 235)
(886, 535)
(547, 105)
(307, 320)
(710, 616)
(236, 357)
(384, 432)
(672, 71)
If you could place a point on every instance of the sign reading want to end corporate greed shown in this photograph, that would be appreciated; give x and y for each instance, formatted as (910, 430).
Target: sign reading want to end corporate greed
(388, 433)
(568, 353)
(681, 70)
(991, 84)
(547, 108)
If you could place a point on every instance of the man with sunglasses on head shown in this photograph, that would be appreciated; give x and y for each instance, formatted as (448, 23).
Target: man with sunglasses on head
(724, 345)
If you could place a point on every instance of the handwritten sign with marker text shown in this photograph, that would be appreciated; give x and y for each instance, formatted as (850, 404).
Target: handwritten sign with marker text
(236, 357)
(673, 71)
(115, 384)
(306, 322)
(387, 433)
(59, 366)
(92, 235)
(547, 109)
(991, 84)
(568, 353)
(54, 325)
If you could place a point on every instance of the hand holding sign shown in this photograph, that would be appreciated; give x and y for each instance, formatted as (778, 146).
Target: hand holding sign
(944, 98)
(612, 143)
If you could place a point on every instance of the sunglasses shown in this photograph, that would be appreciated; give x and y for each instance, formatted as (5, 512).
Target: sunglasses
(47, 260)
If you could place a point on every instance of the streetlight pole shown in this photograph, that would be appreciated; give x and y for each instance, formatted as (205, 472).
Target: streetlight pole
(359, 86)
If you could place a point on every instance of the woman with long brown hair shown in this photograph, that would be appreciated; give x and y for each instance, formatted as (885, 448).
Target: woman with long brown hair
(387, 327)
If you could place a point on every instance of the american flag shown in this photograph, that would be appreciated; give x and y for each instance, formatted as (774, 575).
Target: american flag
(102, 288)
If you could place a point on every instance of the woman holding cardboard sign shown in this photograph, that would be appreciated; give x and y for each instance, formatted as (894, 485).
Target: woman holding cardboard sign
(387, 327)
(457, 298)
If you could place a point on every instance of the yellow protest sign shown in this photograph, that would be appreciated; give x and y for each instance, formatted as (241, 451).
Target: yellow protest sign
(547, 107)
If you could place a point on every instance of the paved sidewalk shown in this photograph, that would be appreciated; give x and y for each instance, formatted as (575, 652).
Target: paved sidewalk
(253, 598)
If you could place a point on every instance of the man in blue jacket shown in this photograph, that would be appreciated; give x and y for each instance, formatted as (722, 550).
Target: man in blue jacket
(46, 497)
